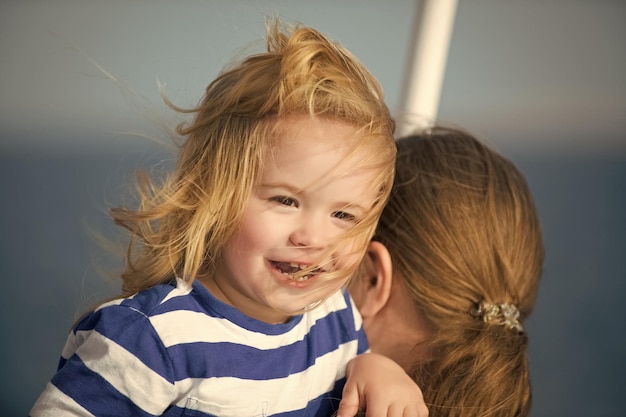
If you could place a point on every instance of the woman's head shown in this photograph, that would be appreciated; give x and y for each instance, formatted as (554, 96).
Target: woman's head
(182, 225)
(462, 218)
(464, 236)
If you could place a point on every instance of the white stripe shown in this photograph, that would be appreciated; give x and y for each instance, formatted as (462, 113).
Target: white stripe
(184, 326)
(269, 396)
(53, 403)
(70, 346)
(358, 320)
(126, 373)
(74, 340)
(182, 289)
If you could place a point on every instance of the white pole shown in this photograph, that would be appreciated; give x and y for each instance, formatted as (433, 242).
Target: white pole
(426, 64)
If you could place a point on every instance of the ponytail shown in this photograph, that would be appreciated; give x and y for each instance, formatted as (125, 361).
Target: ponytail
(464, 236)
(481, 371)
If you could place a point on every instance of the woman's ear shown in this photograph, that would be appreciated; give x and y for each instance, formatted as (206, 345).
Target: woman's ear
(377, 283)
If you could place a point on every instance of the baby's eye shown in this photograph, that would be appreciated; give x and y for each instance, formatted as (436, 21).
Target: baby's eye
(285, 201)
(342, 215)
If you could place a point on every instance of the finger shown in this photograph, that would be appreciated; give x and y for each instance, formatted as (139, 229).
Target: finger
(416, 410)
(374, 409)
(349, 404)
(347, 409)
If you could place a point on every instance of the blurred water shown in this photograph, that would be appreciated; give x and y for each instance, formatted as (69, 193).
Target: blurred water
(577, 329)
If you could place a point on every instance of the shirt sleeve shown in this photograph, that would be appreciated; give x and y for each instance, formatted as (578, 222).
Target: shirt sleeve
(114, 364)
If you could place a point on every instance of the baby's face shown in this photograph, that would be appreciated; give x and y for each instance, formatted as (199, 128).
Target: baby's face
(311, 190)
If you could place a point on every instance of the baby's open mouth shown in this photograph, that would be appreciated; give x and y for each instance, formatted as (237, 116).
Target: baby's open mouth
(291, 269)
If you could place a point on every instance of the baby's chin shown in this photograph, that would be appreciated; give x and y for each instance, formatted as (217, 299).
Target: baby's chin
(295, 304)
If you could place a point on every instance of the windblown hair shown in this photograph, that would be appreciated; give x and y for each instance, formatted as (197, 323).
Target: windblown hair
(462, 228)
(181, 224)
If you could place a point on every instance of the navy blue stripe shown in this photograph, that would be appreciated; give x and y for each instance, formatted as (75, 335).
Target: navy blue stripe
(175, 411)
(216, 308)
(150, 298)
(363, 343)
(145, 301)
(93, 392)
(185, 303)
(134, 332)
(206, 360)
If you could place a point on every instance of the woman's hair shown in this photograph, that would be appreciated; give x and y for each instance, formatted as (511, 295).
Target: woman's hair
(181, 224)
(464, 236)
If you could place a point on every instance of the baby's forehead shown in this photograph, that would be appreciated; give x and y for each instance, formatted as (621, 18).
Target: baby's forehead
(332, 161)
(353, 148)
(325, 151)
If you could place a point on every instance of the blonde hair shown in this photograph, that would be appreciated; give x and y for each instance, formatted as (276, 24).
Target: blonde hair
(180, 225)
(462, 228)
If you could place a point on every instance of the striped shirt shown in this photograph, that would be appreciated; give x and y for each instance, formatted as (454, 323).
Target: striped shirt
(176, 350)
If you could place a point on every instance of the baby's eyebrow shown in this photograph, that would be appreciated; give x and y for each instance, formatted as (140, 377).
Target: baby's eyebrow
(352, 206)
(348, 204)
(280, 186)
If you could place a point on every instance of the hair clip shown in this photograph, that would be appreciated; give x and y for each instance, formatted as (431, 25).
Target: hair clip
(503, 314)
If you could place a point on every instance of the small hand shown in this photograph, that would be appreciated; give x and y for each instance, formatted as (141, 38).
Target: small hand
(380, 386)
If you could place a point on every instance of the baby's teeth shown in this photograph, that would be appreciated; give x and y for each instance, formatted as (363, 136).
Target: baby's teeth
(300, 267)
(293, 278)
